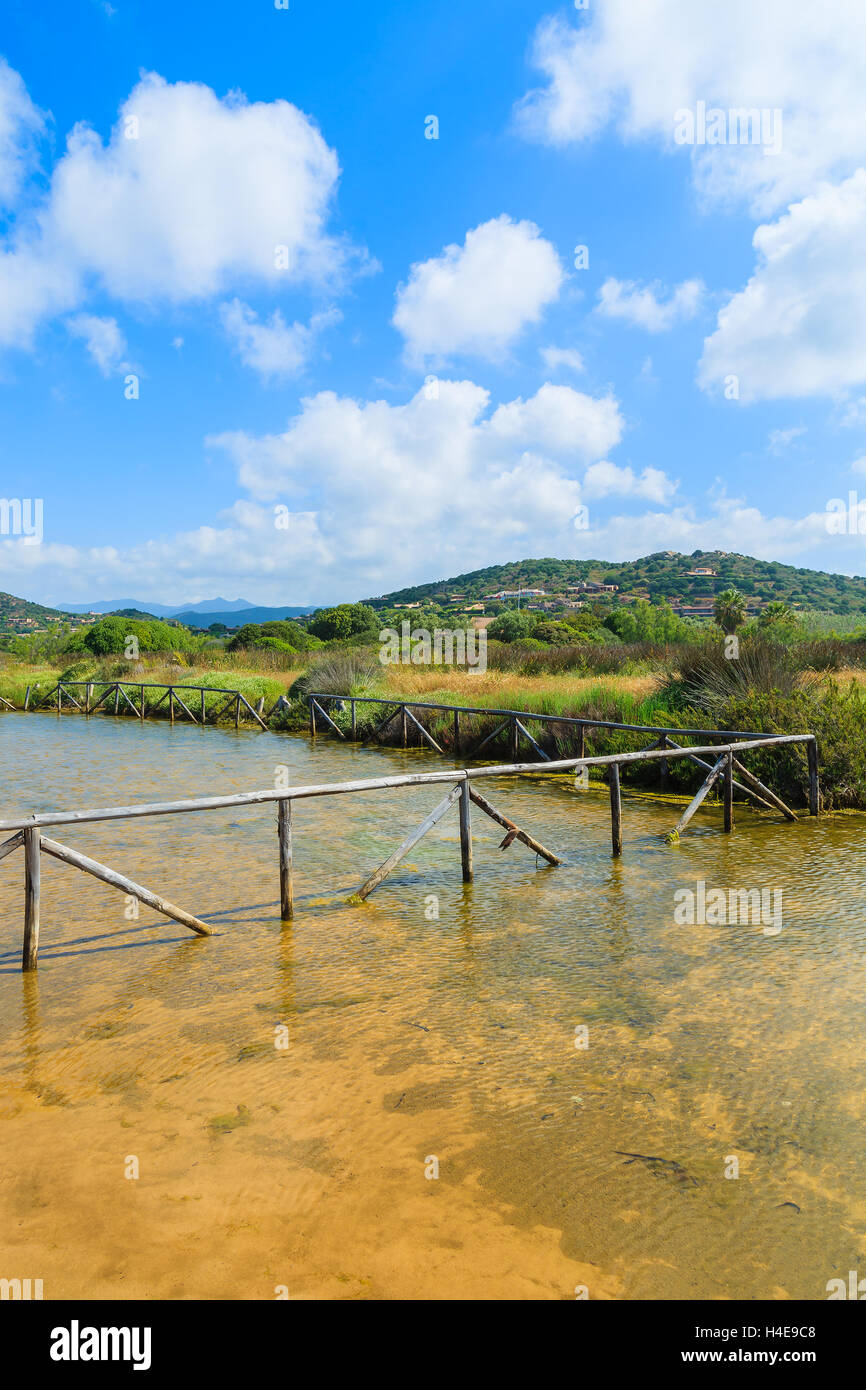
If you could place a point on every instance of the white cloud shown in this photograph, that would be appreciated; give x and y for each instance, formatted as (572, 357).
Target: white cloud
(273, 348)
(781, 440)
(602, 479)
(642, 306)
(555, 357)
(20, 124)
(807, 60)
(796, 328)
(477, 298)
(191, 196)
(561, 422)
(379, 495)
(103, 339)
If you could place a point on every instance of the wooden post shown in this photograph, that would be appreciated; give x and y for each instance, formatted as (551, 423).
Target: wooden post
(238, 712)
(814, 786)
(403, 726)
(201, 704)
(513, 731)
(663, 765)
(142, 704)
(581, 740)
(171, 704)
(457, 731)
(116, 697)
(88, 696)
(465, 833)
(27, 698)
(729, 793)
(59, 707)
(312, 715)
(354, 722)
(31, 899)
(284, 831)
(615, 811)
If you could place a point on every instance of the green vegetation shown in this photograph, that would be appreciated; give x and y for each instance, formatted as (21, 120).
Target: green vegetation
(664, 575)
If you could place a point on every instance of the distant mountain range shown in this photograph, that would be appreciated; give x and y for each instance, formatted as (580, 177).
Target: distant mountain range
(162, 610)
(197, 617)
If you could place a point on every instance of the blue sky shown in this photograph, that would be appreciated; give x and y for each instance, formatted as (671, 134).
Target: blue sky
(429, 383)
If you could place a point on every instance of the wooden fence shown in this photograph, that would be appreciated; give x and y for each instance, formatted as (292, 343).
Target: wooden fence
(27, 831)
(130, 695)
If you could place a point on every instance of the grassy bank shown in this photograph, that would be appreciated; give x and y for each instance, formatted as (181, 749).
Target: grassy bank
(768, 689)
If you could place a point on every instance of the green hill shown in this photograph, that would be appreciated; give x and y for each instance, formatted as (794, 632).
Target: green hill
(664, 575)
(19, 615)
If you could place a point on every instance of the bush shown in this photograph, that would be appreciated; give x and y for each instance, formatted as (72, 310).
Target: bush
(512, 626)
(355, 671)
(346, 620)
(110, 635)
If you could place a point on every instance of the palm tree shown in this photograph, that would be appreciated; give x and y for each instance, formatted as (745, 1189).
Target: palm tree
(775, 612)
(729, 610)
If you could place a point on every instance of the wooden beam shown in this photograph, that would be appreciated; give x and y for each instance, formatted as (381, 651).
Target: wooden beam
(420, 727)
(767, 797)
(729, 793)
(814, 787)
(284, 832)
(257, 716)
(615, 811)
(465, 810)
(138, 714)
(528, 735)
(30, 952)
(409, 843)
(498, 730)
(325, 715)
(126, 885)
(762, 800)
(186, 708)
(693, 805)
(14, 842)
(509, 825)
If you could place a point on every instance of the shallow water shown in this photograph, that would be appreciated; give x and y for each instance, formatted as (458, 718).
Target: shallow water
(409, 1037)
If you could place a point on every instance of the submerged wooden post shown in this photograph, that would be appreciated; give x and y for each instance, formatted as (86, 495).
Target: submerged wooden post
(615, 811)
(284, 831)
(729, 792)
(465, 809)
(814, 787)
(32, 840)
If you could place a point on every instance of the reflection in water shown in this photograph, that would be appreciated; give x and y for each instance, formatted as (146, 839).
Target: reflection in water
(411, 1034)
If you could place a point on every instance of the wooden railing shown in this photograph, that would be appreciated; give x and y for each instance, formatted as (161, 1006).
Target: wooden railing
(27, 831)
